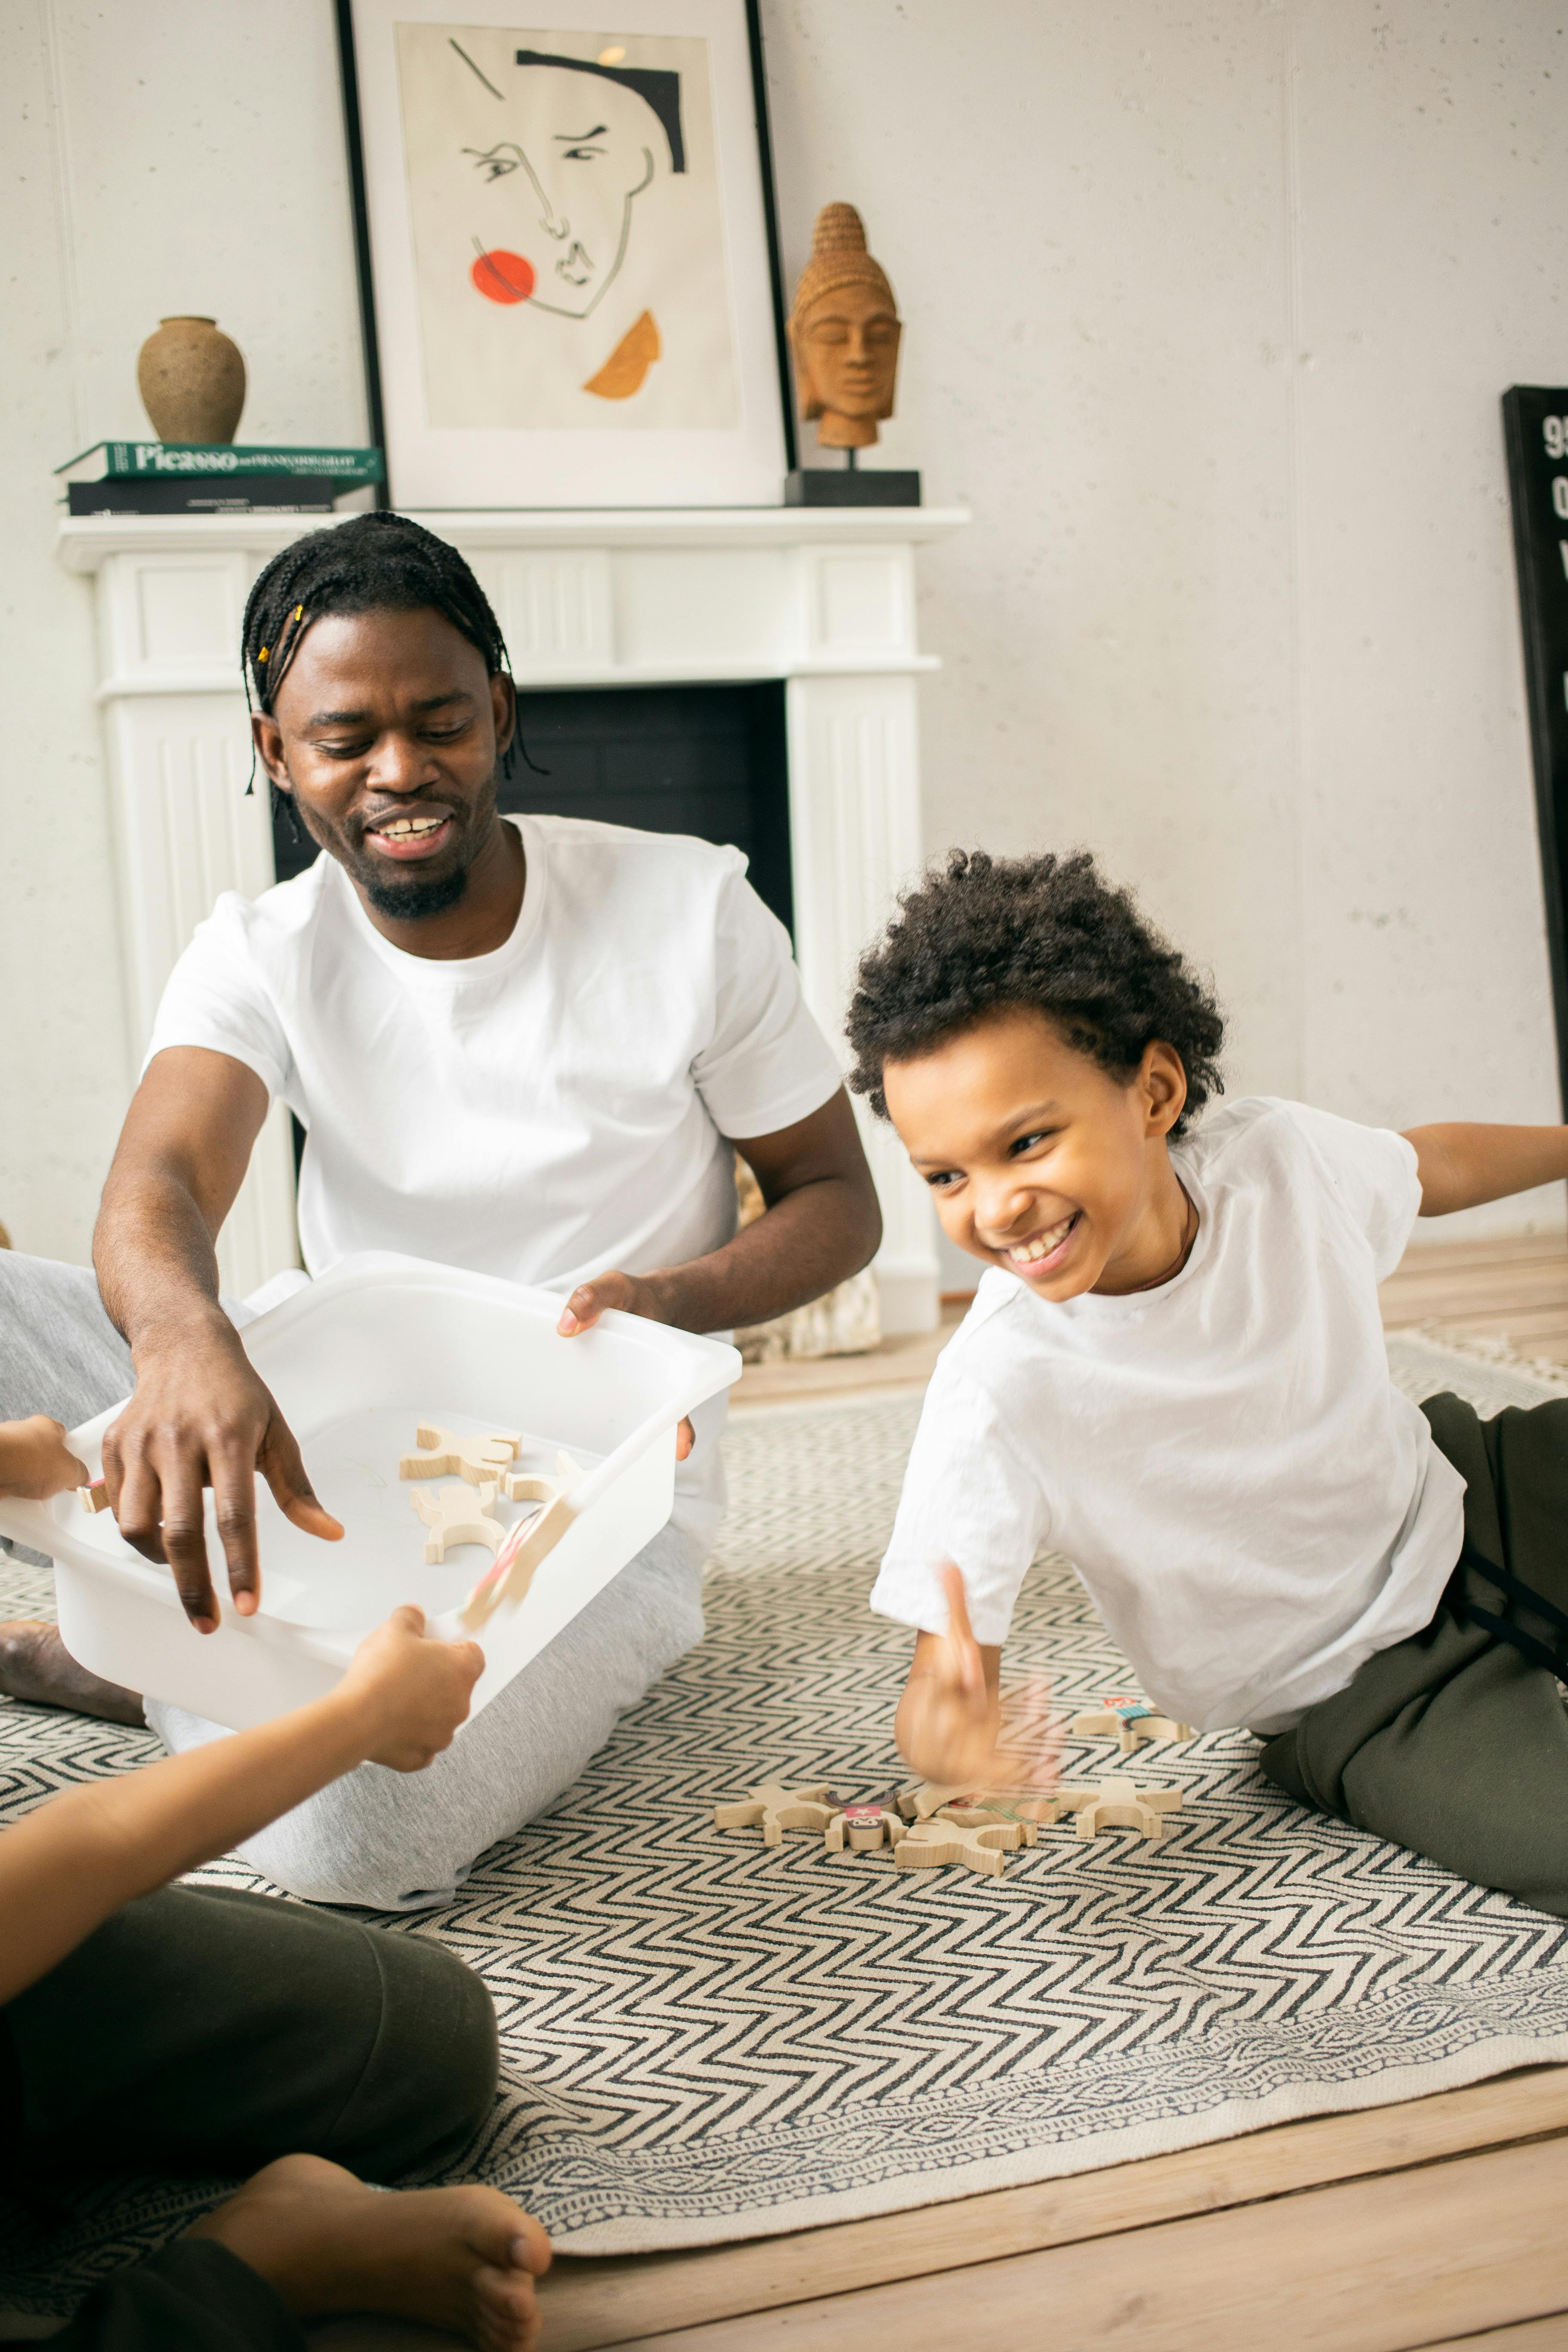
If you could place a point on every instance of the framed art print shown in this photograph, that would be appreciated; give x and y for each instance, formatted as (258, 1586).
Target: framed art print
(568, 258)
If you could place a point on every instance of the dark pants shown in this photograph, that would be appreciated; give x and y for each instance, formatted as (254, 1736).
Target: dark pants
(204, 2029)
(1455, 1743)
(194, 2296)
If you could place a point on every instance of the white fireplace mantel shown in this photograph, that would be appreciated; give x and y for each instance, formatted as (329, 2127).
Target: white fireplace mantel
(821, 597)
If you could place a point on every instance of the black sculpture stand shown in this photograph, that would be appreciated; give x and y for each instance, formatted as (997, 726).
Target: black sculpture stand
(817, 486)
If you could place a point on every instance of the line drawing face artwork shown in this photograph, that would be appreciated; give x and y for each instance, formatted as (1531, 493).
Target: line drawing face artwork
(569, 249)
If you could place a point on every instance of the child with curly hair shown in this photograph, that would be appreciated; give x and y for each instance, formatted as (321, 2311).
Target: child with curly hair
(1175, 1373)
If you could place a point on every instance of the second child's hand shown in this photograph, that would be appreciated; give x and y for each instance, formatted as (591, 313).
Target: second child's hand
(952, 1727)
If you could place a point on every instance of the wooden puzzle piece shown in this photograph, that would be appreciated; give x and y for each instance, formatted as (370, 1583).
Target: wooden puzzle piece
(919, 1803)
(529, 1543)
(1120, 1805)
(94, 1498)
(864, 1829)
(534, 1486)
(480, 1458)
(943, 1841)
(779, 1809)
(1131, 1721)
(456, 1515)
(981, 1812)
(934, 1797)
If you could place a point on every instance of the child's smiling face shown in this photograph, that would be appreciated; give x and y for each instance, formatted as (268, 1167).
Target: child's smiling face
(1040, 1160)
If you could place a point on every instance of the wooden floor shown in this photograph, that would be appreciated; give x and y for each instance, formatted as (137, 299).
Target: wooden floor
(1512, 1290)
(1435, 2224)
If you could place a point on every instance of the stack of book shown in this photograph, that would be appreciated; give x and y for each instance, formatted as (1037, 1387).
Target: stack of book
(148, 478)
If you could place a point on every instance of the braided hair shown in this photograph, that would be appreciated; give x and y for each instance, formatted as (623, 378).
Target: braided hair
(372, 563)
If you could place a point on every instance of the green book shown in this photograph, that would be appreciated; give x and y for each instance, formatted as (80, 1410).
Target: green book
(176, 460)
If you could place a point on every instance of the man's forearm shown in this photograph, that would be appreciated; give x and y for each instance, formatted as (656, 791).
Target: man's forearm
(154, 1256)
(181, 1160)
(815, 1237)
(1461, 1165)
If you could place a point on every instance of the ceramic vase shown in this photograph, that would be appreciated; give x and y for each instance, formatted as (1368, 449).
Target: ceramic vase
(191, 380)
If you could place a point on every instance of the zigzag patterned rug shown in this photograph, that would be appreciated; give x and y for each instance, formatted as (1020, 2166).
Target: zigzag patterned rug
(707, 2039)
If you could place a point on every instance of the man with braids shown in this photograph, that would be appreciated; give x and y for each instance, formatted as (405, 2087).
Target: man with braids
(525, 1046)
(1173, 1373)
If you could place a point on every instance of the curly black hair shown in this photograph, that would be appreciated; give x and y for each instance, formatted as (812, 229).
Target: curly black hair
(981, 932)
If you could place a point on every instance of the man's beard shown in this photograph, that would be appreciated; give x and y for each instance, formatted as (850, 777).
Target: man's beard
(411, 901)
(421, 895)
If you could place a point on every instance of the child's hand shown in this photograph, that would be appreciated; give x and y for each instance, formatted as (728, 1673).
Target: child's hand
(950, 1724)
(35, 1460)
(416, 1689)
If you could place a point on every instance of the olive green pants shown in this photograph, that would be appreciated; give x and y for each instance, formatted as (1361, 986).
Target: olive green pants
(1455, 1743)
(206, 2029)
(193, 2296)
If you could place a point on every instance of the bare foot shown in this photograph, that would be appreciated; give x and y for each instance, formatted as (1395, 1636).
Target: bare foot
(35, 1666)
(463, 2258)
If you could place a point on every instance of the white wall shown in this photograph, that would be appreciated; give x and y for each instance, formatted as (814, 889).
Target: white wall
(187, 157)
(1208, 312)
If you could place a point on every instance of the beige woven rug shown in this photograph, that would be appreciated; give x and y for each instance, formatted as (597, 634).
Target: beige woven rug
(705, 2039)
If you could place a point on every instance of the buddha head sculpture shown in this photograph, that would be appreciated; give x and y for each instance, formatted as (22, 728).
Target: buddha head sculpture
(844, 331)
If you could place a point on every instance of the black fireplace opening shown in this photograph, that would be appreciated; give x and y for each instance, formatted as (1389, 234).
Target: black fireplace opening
(708, 760)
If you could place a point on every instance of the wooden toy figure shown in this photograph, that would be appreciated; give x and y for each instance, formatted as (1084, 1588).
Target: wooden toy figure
(1121, 1805)
(480, 1459)
(934, 1797)
(979, 1812)
(534, 1486)
(456, 1515)
(779, 1809)
(864, 1828)
(530, 1541)
(946, 1839)
(1132, 1721)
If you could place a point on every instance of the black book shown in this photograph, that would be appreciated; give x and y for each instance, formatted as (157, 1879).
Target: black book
(207, 494)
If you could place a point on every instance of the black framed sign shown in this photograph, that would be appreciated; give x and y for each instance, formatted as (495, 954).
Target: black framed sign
(569, 258)
(1535, 433)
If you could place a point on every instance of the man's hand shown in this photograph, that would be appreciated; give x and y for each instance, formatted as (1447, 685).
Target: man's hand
(633, 1293)
(201, 1417)
(949, 1726)
(35, 1460)
(415, 1690)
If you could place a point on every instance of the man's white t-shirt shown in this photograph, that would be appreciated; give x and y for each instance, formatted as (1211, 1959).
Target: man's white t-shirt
(544, 1112)
(1253, 1506)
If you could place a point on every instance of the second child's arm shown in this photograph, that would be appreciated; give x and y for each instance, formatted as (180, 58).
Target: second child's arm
(1461, 1165)
(66, 1867)
(950, 1724)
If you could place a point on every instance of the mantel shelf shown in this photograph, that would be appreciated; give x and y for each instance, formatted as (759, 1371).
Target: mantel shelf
(85, 540)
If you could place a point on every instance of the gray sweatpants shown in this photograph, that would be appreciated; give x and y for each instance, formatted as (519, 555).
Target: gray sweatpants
(388, 1841)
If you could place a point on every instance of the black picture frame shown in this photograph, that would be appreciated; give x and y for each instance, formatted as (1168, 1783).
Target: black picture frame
(370, 330)
(1535, 417)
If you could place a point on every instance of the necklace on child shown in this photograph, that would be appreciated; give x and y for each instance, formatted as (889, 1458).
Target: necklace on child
(1189, 1235)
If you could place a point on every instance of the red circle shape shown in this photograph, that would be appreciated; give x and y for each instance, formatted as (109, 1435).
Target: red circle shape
(504, 277)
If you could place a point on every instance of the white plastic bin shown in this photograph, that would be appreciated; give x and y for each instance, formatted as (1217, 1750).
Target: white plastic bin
(355, 1362)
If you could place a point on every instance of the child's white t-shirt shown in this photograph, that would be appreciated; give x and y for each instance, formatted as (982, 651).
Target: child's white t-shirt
(1253, 1506)
(544, 1112)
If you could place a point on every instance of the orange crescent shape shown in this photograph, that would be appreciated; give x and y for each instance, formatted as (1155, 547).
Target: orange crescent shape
(626, 368)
